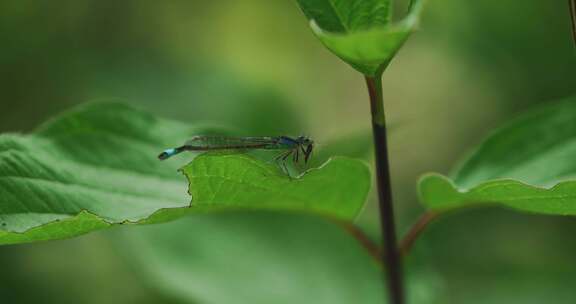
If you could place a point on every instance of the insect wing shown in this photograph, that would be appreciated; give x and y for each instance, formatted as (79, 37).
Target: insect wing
(226, 142)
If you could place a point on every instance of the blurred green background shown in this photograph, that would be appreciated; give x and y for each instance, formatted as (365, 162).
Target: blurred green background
(472, 66)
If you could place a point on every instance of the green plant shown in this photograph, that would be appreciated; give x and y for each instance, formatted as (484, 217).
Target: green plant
(95, 167)
(361, 34)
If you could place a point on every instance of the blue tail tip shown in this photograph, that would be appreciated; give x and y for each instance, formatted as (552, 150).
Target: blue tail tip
(166, 154)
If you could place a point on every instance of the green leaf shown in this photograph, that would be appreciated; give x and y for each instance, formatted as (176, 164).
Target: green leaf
(255, 258)
(527, 165)
(259, 257)
(96, 166)
(341, 16)
(357, 145)
(86, 170)
(338, 188)
(531, 258)
(360, 32)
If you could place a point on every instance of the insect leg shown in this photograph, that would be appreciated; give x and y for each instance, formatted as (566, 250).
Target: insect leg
(284, 157)
(296, 155)
(280, 161)
(304, 154)
(278, 157)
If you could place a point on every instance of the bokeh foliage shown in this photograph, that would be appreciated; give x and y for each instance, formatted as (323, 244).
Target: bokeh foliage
(457, 78)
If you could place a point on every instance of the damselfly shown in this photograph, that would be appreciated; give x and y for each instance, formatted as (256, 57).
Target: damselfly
(299, 147)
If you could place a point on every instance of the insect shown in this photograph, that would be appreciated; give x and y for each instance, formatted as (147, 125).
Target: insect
(298, 147)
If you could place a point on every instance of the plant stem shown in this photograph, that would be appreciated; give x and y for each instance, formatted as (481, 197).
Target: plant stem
(363, 239)
(415, 230)
(391, 256)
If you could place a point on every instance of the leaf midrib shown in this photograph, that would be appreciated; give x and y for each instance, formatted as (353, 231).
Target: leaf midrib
(332, 5)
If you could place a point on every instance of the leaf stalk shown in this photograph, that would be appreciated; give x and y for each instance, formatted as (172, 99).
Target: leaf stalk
(415, 231)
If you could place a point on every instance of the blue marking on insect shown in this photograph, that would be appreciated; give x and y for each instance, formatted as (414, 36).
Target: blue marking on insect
(287, 141)
(170, 152)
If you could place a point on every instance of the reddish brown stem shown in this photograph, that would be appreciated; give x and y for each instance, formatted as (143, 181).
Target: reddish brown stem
(415, 231)
(364, 240)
